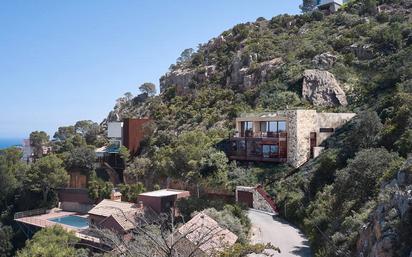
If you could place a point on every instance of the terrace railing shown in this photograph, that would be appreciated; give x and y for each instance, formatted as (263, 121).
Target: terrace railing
(29, 213)
(250, 134)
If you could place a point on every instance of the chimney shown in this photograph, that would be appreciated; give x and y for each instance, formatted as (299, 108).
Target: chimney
(116, 196)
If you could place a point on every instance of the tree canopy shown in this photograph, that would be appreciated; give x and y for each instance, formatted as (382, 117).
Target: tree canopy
(148, 88)
(50, 242)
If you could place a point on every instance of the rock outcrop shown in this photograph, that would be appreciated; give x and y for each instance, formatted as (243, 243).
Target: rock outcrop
(362, 52)
(322, 89)
(243, 76)
(181, 78)
(382, 235)
(324, 61)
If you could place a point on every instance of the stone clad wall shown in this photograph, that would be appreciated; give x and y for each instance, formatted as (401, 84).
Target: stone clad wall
(301, 123)
(331, 120)
(259, 202)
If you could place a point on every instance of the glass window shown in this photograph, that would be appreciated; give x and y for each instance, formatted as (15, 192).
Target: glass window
(263, 126)
(249, 125)
(270, 150)
(266, 151)
(281, 126)
(246, 126)
(274, 149)
(272, 126)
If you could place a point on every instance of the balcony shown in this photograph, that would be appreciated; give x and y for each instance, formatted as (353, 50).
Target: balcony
(260, 147)
(250, 134)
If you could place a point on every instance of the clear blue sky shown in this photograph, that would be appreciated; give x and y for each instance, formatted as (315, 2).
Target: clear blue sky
(63, 61)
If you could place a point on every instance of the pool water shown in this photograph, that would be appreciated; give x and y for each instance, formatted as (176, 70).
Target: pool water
(74, 221)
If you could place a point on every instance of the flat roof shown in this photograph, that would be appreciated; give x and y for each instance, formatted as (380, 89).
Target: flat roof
(163, 192)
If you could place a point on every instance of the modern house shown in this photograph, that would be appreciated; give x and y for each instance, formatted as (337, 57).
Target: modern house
(128, 133)
(329, 5)
(290, 136)
(202, 236)
(116, 215)
(163, 201)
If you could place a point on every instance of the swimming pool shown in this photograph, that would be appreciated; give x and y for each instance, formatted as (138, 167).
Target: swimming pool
(73, 221)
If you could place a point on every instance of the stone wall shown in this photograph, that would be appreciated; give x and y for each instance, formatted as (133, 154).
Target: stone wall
(330, 120)
(75, 207)
(259, 202)
(301, 123)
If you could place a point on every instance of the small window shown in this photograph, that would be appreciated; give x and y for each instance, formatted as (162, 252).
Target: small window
(326, 130)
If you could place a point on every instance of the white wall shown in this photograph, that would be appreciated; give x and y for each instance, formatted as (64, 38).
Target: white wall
(114, 129)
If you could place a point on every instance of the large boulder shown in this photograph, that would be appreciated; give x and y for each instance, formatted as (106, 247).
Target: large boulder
(322, 89)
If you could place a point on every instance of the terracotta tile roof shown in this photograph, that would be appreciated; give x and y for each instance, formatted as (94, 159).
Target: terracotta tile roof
(124, 213)
(207, 234)
(107, 208)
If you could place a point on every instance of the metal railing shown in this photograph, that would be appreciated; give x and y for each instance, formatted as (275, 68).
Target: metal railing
(260, 134)
(29, 213)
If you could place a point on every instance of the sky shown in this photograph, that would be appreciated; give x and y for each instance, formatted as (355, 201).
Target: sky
(64, 61)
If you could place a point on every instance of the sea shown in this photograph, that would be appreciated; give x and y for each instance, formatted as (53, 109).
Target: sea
(9, 142)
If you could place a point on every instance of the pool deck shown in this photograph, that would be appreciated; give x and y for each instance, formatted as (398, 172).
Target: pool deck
(42, 221)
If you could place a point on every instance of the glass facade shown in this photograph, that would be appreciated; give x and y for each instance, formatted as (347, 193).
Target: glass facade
(273, 126)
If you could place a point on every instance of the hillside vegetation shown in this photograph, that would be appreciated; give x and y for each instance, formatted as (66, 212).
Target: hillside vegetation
(351, 199)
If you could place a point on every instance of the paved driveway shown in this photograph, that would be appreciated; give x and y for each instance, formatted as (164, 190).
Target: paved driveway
(270, 229)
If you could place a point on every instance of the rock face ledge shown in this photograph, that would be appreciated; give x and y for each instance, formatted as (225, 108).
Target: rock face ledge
(322, 89)
(324, 61)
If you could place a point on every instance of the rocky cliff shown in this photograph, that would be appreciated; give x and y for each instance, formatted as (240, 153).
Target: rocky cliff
(388, 231)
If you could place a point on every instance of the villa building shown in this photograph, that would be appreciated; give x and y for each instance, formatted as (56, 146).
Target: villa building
(329, 5)
(290, 136)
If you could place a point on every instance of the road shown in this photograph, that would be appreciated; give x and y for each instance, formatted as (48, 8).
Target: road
(270, 229)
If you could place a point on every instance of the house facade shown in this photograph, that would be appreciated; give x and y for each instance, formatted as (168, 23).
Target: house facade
(330, 5)
(128, 133)
(289, 136)
(163, 201)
